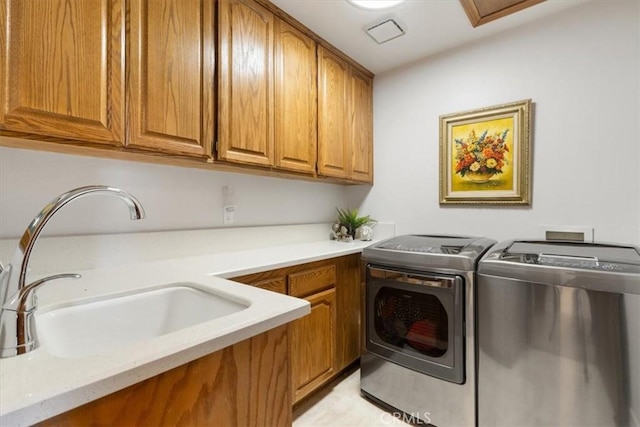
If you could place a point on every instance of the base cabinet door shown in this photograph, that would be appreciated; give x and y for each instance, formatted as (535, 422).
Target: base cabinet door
(313, 342)
(62, 69)
(327, 340)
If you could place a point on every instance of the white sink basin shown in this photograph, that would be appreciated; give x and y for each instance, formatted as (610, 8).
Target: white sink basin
(103, 325)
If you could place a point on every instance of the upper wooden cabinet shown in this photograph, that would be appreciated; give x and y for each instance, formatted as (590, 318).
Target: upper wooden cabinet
(267, 86)
(67, 79)
(345, 120)
(62, 70)
(333, 115)
(246, 83)
(170, 78)
(171, 72)
(361, 127)
(295, 100)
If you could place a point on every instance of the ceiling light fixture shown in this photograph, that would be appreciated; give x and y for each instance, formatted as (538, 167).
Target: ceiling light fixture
(375, 4)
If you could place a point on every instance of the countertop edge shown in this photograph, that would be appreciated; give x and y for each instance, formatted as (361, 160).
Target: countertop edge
(216, 266)
(66, 401)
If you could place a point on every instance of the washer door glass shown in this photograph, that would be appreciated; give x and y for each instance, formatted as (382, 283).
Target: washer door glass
(416, 320)
(413, 321)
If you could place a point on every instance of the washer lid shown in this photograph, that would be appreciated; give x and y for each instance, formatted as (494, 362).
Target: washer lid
(427, 244)
(607, 257)
(427, 252)
(599, 267)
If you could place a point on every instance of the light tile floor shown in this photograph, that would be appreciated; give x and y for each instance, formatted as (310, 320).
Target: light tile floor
(341, 405)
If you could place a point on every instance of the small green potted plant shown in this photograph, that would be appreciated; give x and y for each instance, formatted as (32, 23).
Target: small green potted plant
(348, 222)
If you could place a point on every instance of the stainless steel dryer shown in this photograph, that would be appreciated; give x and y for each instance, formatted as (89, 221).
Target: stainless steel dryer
(559, 335)
(419, 327)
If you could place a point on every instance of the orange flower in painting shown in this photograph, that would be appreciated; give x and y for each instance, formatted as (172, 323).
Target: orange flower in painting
(489, 153)
(485, 154)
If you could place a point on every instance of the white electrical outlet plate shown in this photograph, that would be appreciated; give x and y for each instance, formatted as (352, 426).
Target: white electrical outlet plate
(567, 232)
(228, 205)
(228, 214)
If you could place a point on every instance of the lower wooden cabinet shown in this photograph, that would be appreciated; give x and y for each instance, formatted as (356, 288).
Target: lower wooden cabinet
(313, 345)
(327, 340)
(275, 284)
(257, 381)
(246, 384)
(349, 311)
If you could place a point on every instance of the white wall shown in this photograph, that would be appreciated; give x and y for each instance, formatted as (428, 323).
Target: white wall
(175, 198)
(582, 70)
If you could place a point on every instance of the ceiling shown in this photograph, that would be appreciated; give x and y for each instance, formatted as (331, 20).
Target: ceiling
(431, 26)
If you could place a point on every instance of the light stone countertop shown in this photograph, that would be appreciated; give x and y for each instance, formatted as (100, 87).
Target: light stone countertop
(37, 385)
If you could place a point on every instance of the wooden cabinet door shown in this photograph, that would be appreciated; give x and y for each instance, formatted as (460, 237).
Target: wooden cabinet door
(62, 70)
(333, 115)
(349, 310)
(313, 343)
(171, 71)
(328, 339)
(245, 77)
(246, 384)
(361, 127)
(295, 100)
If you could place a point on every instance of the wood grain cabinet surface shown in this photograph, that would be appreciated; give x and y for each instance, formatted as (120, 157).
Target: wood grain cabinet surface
(257, 381)
(296, 111)
(246, 82)
(247, 384)
(62, 71)
(333, 115)
(312, 280)
(345, 121)
(68, 79)
(313, 345)
(171, 71)
(348, 310)
(227, 84)
(267, 85)
(361, 99)
(326, 341)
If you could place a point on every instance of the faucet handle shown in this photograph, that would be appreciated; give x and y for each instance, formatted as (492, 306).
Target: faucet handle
(20, 301)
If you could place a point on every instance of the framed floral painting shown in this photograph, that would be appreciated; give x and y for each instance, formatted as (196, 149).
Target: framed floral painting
(485, 155)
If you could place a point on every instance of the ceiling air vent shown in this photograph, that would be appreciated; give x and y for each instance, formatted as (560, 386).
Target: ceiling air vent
(385, 31)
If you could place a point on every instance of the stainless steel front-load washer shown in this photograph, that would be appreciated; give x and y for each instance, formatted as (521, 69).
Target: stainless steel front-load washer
(559, 335)
(419, 327)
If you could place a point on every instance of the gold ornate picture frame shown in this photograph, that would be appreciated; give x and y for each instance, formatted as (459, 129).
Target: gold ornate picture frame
(485, 156)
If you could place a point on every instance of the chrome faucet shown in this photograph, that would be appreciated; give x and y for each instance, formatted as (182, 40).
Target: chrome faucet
(17, 325)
